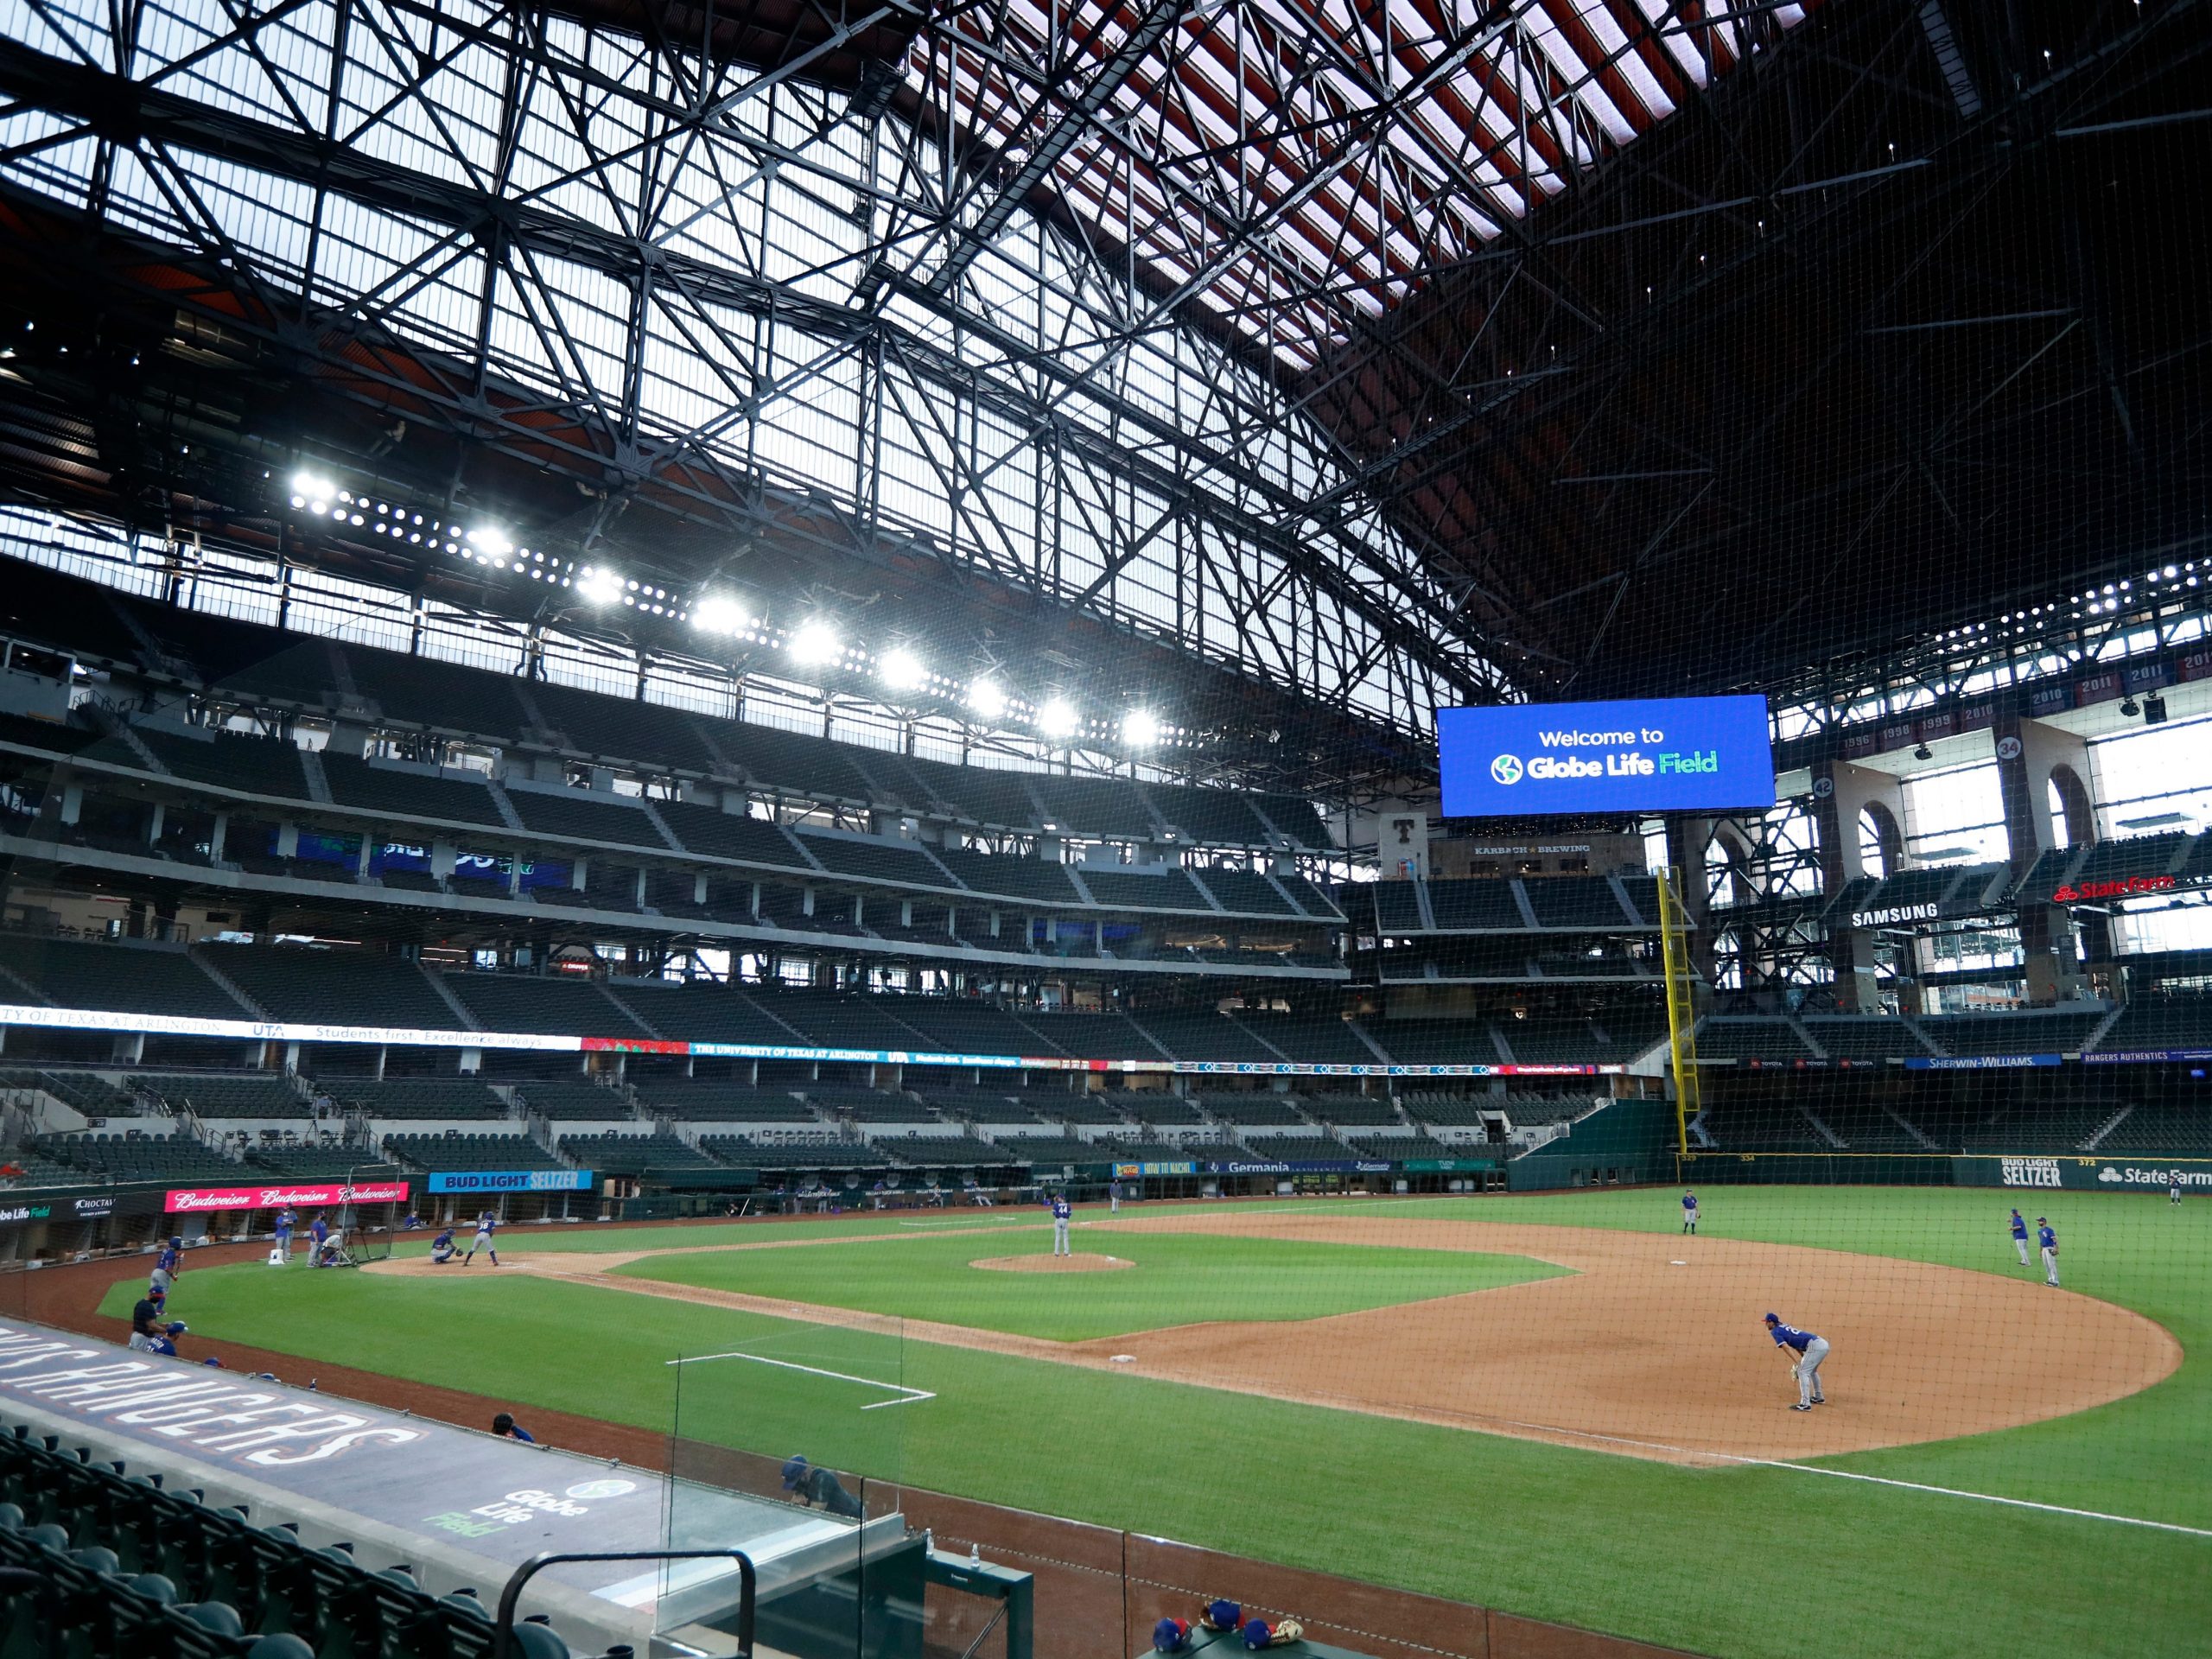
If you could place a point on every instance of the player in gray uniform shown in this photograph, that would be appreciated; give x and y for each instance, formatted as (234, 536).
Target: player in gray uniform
(485, 1224)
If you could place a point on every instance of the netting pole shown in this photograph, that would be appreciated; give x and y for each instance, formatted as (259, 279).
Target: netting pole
(1681, 1012)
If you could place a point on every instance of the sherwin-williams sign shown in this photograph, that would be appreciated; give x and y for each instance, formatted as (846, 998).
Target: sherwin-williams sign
(512, 1180)
(1664, 755)
(192, 1200)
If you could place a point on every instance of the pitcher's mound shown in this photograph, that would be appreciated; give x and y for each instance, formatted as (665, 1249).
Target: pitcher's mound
(1081, 1261)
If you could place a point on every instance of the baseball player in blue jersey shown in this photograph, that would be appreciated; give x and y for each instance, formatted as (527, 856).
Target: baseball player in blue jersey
(285, 1221)
(318, 1235)
(2047, 1241)
(486, 1224)
(1805, 1352)
(168, 1264)
(1689, 1212)
(1062, 1210)
(441, 1249)
(2020, 1236)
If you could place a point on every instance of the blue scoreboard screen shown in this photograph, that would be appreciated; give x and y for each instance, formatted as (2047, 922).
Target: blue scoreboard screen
(1670, 754)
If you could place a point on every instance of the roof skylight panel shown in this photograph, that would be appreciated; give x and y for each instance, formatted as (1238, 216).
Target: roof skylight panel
(1597, 16)
(1580, 74)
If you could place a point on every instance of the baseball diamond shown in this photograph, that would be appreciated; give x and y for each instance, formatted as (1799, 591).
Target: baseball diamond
(1090, 830)
(1504, 1346)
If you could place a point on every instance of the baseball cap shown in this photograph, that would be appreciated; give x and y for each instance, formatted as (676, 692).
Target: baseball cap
(794, 1472)
(1774, 1319)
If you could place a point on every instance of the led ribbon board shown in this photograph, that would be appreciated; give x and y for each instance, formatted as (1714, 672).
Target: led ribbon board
(1670, 754)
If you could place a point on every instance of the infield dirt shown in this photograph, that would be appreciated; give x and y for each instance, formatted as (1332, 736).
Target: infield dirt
(1651, 1346)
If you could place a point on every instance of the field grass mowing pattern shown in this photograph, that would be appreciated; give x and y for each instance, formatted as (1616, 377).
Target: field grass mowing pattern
(1731, 1561)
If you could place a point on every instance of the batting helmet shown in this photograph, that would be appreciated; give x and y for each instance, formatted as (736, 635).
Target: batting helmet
(1256, 1633)
(1171, 1635)
(1224, 1615)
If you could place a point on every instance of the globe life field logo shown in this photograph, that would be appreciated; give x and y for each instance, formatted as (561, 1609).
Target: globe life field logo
(1506, 769)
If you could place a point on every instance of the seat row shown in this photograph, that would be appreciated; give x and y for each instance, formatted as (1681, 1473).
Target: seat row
(113, 1562)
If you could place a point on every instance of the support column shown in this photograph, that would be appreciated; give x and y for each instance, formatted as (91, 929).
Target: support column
(1851, 791)
(2031, 758)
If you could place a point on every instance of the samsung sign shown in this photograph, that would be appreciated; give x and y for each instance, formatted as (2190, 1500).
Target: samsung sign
(1655, 755)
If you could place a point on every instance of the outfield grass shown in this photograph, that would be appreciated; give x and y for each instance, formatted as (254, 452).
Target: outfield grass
(1179, 1279)
(1752, 1562)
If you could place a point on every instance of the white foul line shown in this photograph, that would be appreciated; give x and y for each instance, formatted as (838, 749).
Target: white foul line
(1876, 1480)
(911, 1394)
(1985, 1498)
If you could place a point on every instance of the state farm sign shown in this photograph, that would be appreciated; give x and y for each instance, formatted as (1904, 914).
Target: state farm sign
(2072, 894)
(191, 1200)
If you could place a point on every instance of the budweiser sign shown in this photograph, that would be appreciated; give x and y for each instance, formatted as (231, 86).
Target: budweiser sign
(188, 1200)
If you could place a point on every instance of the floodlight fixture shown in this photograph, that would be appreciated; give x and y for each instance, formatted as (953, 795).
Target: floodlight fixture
(718, 613)
(814, 644)
(489, 542)
(1140, 728)
(312, 491)
(901, 670)
(987, 699)
(1058, 718)
(598, 586)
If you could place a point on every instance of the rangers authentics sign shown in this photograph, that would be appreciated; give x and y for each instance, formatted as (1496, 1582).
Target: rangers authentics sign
(194, 1200)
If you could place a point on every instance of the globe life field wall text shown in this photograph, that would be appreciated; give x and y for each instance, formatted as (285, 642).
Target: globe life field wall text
(1668, 755)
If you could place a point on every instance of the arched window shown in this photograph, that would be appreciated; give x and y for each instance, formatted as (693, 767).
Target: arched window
(2072, 823)
(1874, 854)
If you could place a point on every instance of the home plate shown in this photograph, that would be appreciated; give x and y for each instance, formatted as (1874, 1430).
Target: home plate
(1125, 1359)
(1678, 1264)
